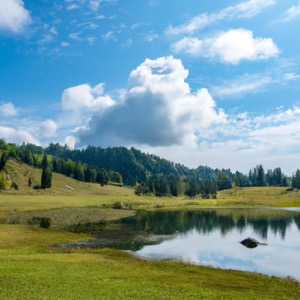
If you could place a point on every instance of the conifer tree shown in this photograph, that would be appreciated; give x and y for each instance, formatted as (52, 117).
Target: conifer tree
(46, 179)
(3, 161)
(28, 158)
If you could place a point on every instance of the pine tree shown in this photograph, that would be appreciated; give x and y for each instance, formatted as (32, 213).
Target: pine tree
(46, 179)
(3, 161)
(223, 181)
(28, 158)
(261, 178)
(296, 180)
(102, 177)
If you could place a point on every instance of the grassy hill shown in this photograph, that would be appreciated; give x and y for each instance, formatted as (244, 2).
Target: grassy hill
(61, 184)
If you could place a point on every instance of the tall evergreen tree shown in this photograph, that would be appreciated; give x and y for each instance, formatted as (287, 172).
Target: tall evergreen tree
(296, 180)
(102, 177)
(223, 182)
(277, 177)
(46, 179)
(3, 161)
(79, 172)
(28, 158)
(191, 188)
(261, 178)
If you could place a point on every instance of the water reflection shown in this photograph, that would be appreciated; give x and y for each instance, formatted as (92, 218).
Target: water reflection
(211, 237)
(224, 220)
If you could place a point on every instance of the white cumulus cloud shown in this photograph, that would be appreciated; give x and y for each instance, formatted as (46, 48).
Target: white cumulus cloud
(8, 110)
(231, 46)
(85, 97)
(157, 109)
(242, 142)
(48, 128)
(70, 141)
(17, 136)
(14, 17)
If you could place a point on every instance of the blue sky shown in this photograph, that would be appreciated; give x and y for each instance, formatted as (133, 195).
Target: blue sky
(214, 83)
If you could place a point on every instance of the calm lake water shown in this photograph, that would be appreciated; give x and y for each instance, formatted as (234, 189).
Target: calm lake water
(211, 237)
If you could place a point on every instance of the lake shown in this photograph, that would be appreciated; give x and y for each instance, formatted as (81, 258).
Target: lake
(208, 236)
(211, 237)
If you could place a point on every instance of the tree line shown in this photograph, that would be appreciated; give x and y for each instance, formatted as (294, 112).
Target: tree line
(36, 156)
(149, 173)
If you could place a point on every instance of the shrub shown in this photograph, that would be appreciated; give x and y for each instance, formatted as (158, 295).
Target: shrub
(14, 185)
(42, 222)
(121, 205)
(2, 184)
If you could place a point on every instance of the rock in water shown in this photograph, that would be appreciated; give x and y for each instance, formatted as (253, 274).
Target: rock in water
(251, 243)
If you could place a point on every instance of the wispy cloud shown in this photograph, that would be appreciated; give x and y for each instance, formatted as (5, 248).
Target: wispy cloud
(127, 43)
(244, 85)
(75, 36)
(91, 40)
(291, 76)
(109, 36)
(292, 13)
(151, 36)
(94, 4)
(64, 44)
(243, 10)
(73, 6)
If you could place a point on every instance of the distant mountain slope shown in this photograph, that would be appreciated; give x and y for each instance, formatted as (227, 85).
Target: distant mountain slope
(132, 164)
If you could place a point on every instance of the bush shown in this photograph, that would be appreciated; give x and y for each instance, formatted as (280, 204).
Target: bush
(42, 222)
(121, 205)
(14, 185)
(2, 184)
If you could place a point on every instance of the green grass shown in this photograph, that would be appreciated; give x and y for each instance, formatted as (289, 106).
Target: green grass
(61, 218)
(21, 172)
(260, 196)
(32, 269)
(93, 195)
(29, 269)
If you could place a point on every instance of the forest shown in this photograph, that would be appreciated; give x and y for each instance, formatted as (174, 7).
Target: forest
(149, 174)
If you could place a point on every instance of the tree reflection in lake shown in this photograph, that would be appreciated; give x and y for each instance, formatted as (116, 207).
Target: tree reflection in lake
(224, 220)
(211, 236)
(207, 237)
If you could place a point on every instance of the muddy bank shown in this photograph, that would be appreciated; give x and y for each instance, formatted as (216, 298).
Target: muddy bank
(128, 243)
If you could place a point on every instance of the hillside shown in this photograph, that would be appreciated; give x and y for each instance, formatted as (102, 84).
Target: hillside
(61, 184)
(150, 174)
(132, 164)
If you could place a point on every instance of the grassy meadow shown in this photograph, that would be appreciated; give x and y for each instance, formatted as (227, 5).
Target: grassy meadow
(31, 268)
